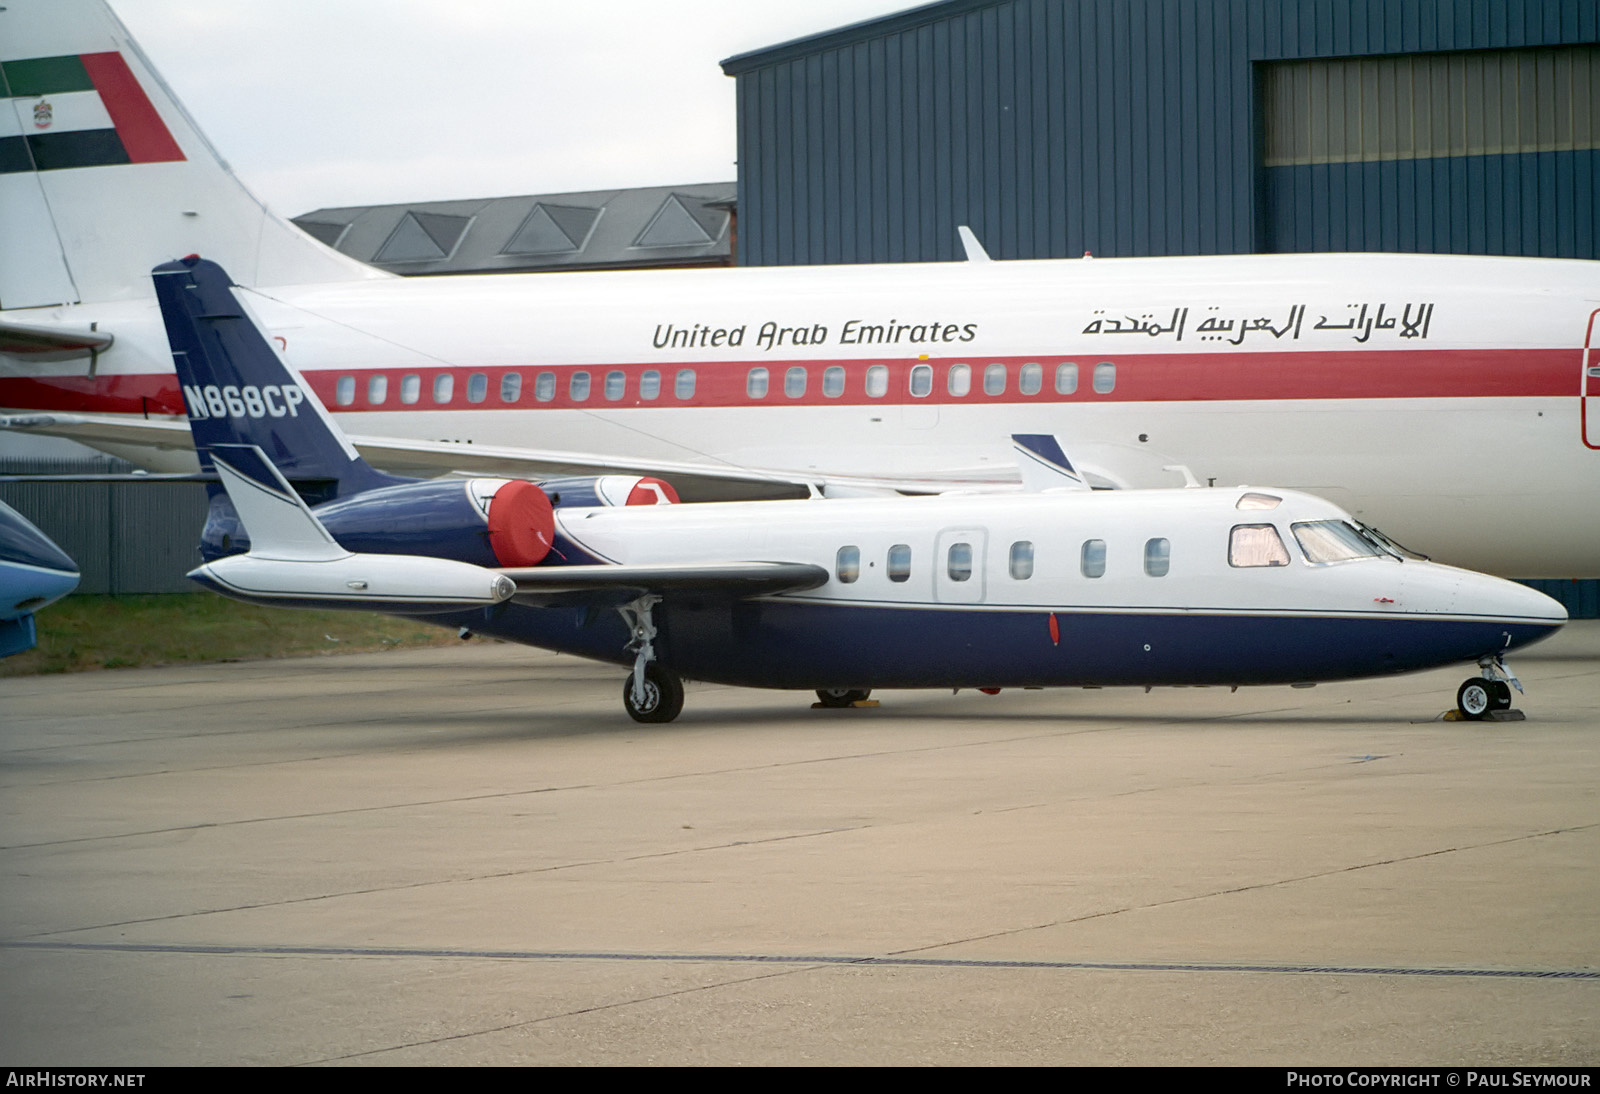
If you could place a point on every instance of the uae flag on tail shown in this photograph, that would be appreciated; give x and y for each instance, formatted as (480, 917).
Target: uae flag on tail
(78, 111)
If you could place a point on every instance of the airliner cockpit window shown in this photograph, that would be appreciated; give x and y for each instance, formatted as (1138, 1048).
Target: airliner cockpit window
(1325, 541)
(1256, 545)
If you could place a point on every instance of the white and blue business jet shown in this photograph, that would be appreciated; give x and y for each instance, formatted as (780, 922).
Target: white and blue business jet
(1054, 586)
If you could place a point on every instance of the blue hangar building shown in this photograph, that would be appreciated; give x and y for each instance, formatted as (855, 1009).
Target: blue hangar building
(1164, 127)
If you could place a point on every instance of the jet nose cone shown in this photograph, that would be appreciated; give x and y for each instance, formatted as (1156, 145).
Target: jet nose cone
(1527, 614)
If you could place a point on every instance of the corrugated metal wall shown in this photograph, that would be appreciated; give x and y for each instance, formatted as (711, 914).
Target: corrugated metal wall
(1124, 127)
(125, 537)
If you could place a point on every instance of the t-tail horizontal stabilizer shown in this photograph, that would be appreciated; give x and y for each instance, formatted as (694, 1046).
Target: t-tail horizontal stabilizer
(295, 562)
(237, 390)
(1044, 465)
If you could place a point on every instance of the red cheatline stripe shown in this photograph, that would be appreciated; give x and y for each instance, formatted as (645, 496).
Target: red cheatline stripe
(143, 133)
(1390, 374)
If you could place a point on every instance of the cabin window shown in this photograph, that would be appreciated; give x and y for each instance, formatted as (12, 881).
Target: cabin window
(511, 387)
(1325, 541)
(900, 562)
(616, 385)
(1022, 560)
(1094, 558)
(544, 386)
(1031, 378)
(848, 564)
(833, 382)
(578, 387)
(1105, 378)
(1157, 557)
(877, 381)
(994, 379)
(683, 384)
(958, 562)
(344, 392)
(377, 389)
(921, 381)
(410, 387)
(444, 388)
(477, 387)
(794, 381)
(1067, 378)
(1256, 545)
(755, 385)
(959, 381)
(650, 384)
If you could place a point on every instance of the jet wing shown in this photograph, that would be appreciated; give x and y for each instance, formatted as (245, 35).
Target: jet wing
(618, 584)
(50, 343)
(399, 455)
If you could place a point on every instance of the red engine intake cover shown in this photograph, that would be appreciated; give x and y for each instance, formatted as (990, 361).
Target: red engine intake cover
(648, 491)
(522, 526)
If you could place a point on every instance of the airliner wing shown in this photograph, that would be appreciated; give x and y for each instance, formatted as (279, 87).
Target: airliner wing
(693, 481)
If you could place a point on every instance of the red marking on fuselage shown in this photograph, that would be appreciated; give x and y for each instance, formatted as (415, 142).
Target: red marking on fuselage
(139, 125)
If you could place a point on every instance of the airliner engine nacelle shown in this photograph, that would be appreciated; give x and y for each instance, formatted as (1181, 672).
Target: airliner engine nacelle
(484, 522)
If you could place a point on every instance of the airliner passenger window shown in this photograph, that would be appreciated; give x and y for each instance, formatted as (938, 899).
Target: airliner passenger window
(544, 386)
(578, 387)
(444, 388)
(959, 562)
(1325, 541)
(833, 382)
(1094, 557)
(1022, 560)
(794, 382)
(477, 387)
(848, 564)
(1031, 378)
(900, 562)
(410, 387)
(1066, 377)
(755, 385)
(377, 389)
(650, 384)
(1157, 557)
(344, 392)
(959, 382)
(921, 381)
(616, 385)
(1256, 545)
(511, 387)
(877, 381)
(994, 379)
(1105, 378)
(683, 384)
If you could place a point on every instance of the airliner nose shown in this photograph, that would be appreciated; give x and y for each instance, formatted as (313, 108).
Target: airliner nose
(1528, 614)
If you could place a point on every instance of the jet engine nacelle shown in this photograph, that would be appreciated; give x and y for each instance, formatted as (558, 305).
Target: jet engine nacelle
(593, 491)
(485, 522)
(396, 584)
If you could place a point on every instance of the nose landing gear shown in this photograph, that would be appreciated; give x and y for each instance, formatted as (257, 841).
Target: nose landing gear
(1485, 696)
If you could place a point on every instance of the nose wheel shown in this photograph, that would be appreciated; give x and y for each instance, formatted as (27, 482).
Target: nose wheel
(1481, 696)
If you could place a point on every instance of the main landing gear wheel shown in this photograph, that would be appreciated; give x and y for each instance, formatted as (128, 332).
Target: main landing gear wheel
(842, 697)
(663, 696)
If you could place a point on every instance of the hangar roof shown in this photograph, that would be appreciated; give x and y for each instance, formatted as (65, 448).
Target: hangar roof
(854, 32)
(650, 226)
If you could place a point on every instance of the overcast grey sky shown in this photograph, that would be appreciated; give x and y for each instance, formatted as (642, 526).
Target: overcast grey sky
(354, 102)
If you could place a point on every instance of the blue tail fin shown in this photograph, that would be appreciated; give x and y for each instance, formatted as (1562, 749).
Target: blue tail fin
(238, 391)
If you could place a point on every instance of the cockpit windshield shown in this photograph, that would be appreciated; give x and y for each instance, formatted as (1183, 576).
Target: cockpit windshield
(1390, 545)
(1325, 541)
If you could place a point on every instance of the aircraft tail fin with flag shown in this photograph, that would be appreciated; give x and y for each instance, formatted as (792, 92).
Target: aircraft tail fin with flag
(102, 172)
